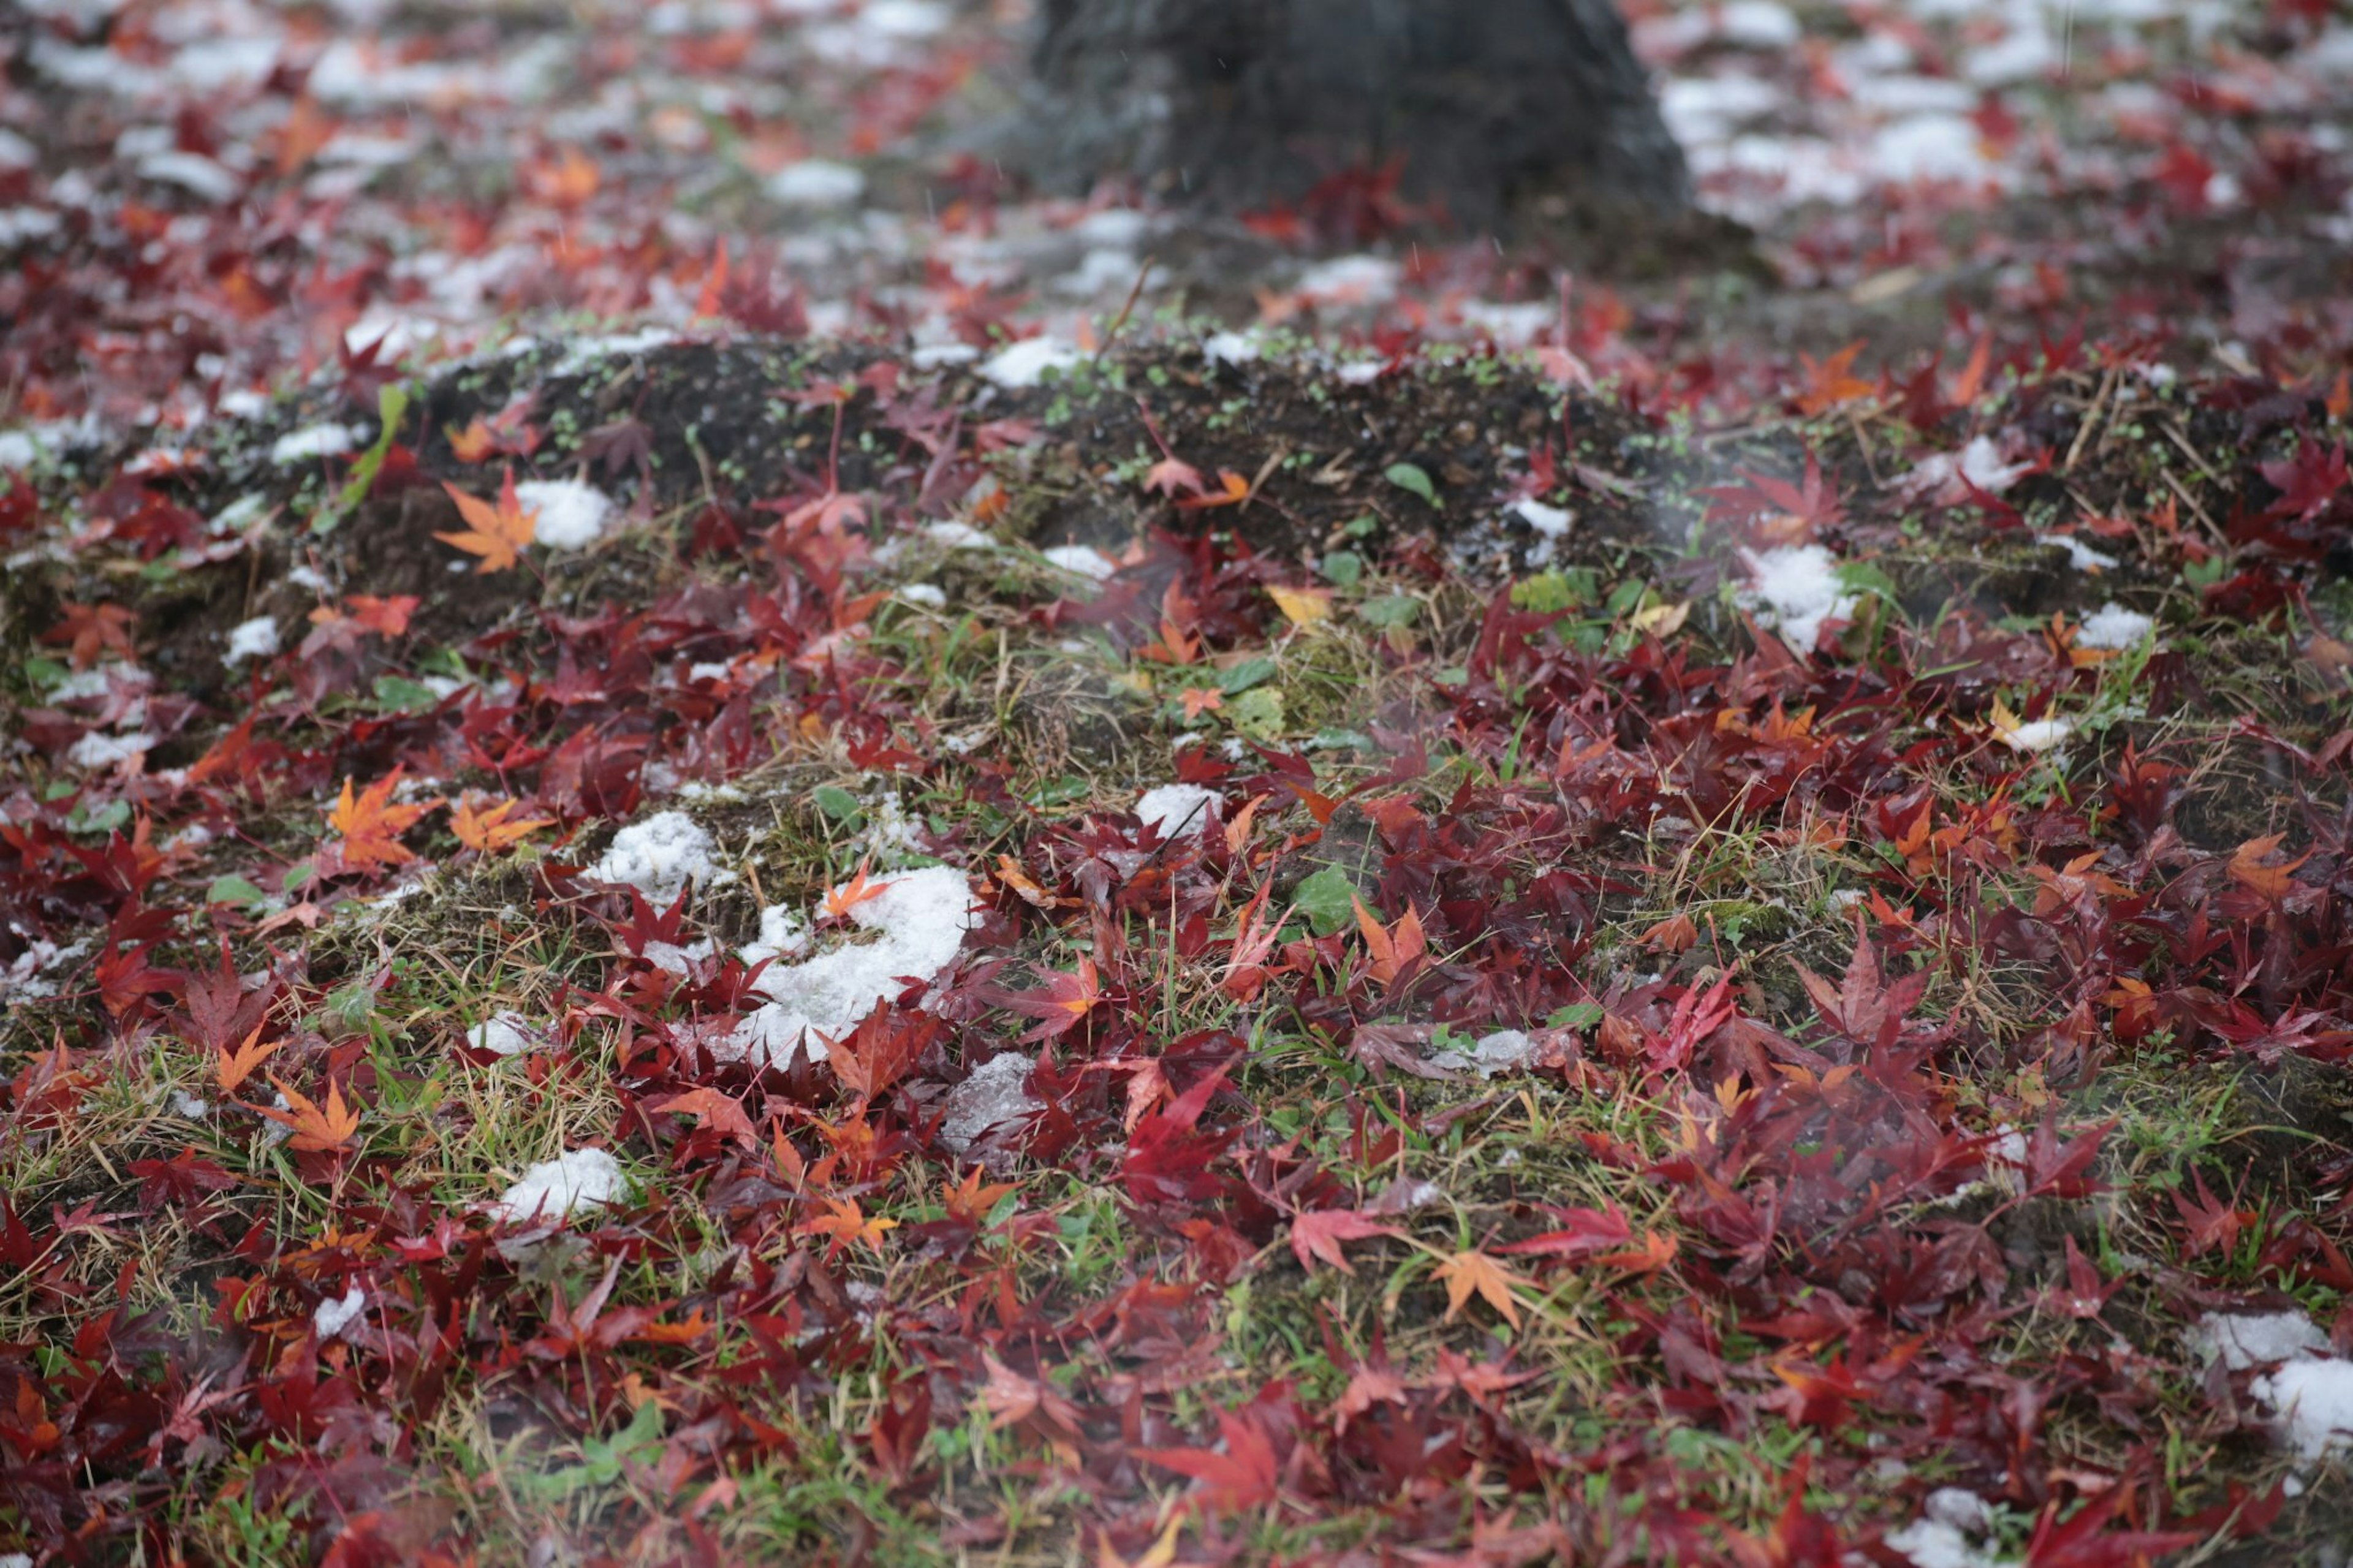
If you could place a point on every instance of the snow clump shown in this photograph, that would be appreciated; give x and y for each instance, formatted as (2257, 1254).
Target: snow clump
(816, 183)
(312, 441)
(505, 1035)
(256, 638)
(2308, 1391)
(1084, 560)
(2114, 627)
(576, 1179)
(1019, 366)
(1179, 808)
(571, 516)
(2242, 1340)
(331, 1318)
(997, 1093)
(658, 856)
(95, 752)
(920, 920)
(1794, 590)
(1948, 1532)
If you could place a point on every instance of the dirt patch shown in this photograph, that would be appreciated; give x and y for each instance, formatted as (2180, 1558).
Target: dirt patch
(1424, 455)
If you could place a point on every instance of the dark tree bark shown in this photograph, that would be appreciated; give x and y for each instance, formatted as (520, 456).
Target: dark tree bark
(1487, 108)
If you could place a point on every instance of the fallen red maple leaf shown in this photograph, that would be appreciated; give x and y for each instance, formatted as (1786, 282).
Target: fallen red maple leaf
(1242, 1477)
(1066, 999)
(1318, 1235)
(713, 1109)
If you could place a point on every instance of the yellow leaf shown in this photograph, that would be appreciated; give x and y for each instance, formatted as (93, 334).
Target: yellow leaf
(1662, 620)
(1159, 1554)
(1301, 607)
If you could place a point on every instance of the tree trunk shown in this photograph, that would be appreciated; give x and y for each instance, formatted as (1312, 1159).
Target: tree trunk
(1484, 110)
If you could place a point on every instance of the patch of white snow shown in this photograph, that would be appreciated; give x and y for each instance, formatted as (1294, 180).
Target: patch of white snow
(659, 855)
(1019, 366)
(576, 1179)
(1176, 809)
(2114, 627)
(331, 1318)
(571, 516)
(1794, 590)
(997, 1093)
(920, 919)
(256, 638)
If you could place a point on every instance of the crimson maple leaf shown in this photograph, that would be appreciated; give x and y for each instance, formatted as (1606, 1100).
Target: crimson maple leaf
(1066, 999)
(2213, 1223)
(1583, 1233)
(1318, 1235)
(1243, 1476)
(1861, 1008)
(92, 630)
(2307, 481)
(1775, 512)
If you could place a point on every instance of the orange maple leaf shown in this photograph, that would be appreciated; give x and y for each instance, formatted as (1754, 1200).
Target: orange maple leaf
(1200, 699)
(714, 1110)
(566, 180)
(1168, 476)
(490, 829)
(1653, 1253)
(475, 443)
(848, 1225)
(1232, 490)
(1474, 1271)
(230, 1072)
(1831, 383)
(2251, 867)
(969, 1201)
(496, 533)
(317, 1129)
(1394, 948)
(852, 893)
(372, 825)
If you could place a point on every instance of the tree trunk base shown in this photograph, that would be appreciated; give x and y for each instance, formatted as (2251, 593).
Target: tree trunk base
(1478, 113)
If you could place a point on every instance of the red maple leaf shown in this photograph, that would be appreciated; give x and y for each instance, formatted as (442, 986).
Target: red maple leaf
(2307, 481)
(2213, 1223)
(1318, 1235)
(1066, 999)
(1243, 1476)
(1773, 511)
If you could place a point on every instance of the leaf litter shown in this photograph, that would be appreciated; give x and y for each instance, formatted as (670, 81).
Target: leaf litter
(1291, 963)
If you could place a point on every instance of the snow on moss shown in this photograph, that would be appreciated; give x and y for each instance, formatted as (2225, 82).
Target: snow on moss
(658, 856)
